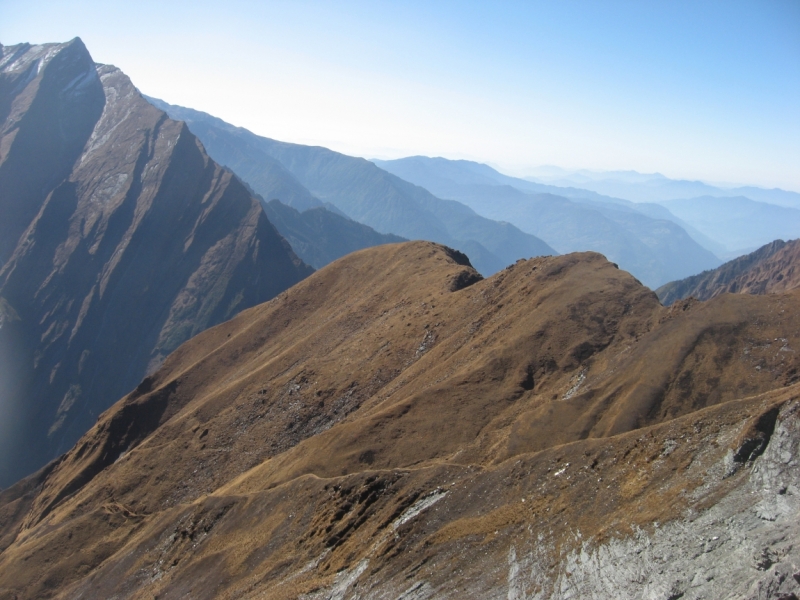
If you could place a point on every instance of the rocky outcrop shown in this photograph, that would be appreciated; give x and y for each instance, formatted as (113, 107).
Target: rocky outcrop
(397, 426)
(773, 268)
(120, 239)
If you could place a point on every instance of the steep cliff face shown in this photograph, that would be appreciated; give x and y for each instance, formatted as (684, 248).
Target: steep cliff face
(396, 426)
(773, 268)
(123, 240)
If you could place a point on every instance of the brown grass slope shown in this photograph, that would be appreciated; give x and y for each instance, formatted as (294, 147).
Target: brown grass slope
(773, 268)
(272, 455)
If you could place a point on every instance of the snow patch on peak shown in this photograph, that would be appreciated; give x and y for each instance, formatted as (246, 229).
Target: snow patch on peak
(81, 81)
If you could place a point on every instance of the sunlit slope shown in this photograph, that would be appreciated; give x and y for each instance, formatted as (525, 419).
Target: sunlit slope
(379, 425)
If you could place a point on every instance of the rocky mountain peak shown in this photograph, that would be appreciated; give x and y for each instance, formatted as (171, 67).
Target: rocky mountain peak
(121, 239)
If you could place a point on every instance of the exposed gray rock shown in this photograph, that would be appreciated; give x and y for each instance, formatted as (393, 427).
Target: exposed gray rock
(743, 546)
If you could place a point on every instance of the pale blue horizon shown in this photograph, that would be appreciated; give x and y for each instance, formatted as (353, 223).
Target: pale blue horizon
(707, 91)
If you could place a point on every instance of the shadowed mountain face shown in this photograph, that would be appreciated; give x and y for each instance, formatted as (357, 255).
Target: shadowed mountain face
(655, 250)
(397, 426)
(773, 268)
(319, 236)
(48, 114)
(361, 190)
(120, 240)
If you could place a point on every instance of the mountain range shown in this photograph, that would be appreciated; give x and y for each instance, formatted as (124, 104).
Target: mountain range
(656, 250)
(737, 222)
(360, 190)
(657, 242)
(655, 187)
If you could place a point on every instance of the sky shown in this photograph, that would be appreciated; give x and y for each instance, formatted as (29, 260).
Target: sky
(697, 90)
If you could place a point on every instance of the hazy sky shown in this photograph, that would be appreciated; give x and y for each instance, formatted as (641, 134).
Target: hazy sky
(699, 89)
